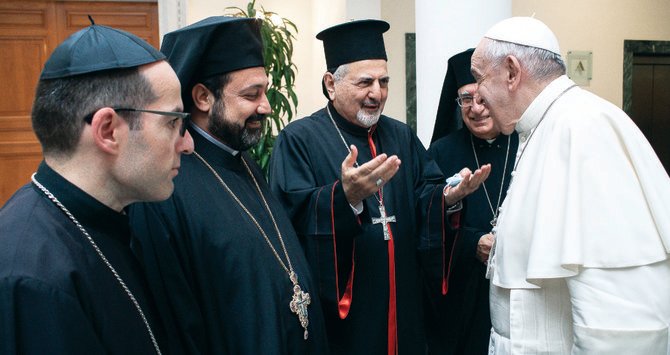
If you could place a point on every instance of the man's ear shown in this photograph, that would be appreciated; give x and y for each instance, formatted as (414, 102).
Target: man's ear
(329, 82)
(203, 99)
(106, 128)
(513, 68)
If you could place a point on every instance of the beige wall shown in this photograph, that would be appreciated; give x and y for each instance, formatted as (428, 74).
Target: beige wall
(400, 14)
(312, 16)
(601, 26)
(309, 16)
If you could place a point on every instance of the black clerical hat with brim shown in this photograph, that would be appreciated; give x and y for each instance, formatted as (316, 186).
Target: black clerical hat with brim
(214, 46)
(97, 48)
(353, 41)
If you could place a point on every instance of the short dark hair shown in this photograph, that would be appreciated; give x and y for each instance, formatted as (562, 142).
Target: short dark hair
(62, 104)
(216, 83)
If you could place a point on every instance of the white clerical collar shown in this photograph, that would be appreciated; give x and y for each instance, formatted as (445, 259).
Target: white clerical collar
(535, 110)
(213, 140)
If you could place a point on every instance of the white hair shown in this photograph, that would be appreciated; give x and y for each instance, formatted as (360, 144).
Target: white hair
(340, 72)
(541, 64)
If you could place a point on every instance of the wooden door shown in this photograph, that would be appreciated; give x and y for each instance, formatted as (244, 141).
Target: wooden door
(650, 107)
(29, 31)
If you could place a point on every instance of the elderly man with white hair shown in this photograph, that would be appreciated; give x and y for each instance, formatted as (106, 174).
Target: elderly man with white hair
(580, 264)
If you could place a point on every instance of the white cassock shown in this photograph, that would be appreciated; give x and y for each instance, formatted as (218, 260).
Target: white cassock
(580, 263)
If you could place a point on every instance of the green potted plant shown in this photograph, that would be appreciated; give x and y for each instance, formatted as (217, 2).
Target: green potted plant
(278, 35)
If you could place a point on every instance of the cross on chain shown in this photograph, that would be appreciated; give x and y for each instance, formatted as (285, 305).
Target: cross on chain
(299, 304)
(384, 220)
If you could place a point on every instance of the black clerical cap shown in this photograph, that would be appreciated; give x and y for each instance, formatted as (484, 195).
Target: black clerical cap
(353, 41)
(213, 46)
(458, 74)
(96, 48)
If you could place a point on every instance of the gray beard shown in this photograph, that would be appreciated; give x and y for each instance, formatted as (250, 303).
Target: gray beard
(367, 120)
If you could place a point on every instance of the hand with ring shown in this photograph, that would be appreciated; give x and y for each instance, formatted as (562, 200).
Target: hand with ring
(363, 181)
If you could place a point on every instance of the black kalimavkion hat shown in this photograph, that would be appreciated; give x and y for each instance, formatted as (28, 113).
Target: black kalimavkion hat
(353, 41)
(448, 117)
(213, 46)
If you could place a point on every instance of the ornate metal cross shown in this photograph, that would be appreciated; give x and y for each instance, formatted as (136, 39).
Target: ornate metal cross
(384, 220)
(299, 304)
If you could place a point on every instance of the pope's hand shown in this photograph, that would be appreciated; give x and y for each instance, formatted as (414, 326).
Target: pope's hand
(363, 181)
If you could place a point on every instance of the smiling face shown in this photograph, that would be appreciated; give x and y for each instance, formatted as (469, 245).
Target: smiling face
(476, 117)
(492, 89)
(152, 155)
(237, 116)
(361, 94)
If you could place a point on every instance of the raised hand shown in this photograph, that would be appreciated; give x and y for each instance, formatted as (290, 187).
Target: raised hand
(363, 181)
(470, 183)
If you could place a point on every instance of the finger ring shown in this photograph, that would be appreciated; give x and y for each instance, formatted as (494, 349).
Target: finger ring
(379, 182)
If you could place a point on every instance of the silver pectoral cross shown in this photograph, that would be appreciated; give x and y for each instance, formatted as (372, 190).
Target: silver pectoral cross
(384, 220)
(299, 303)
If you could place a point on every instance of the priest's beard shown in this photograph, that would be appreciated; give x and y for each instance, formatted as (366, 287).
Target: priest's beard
(234, 135)
(368, 119)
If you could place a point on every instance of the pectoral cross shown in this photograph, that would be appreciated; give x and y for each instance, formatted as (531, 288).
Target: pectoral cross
(384, 220)
(299, 303)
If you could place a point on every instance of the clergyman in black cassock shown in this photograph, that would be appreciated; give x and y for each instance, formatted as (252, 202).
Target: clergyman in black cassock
(458, 320)
(56, 295)
(222, 247)
(69, 281)
(364, 258)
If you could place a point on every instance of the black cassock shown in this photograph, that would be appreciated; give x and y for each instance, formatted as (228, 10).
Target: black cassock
(305, 173)
(57, 296)
(226, 293)
(459, 322)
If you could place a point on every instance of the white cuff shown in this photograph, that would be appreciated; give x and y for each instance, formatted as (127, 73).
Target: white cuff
(358, 209)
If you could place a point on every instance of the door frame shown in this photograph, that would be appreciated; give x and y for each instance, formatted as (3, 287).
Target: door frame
(630, 49)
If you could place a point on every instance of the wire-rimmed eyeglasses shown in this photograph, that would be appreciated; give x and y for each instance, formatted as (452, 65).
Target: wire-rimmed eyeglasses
(185, 117)
(465, 100)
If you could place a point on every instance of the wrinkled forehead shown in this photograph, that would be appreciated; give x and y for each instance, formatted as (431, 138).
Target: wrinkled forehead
(477, 64)
(372, 68)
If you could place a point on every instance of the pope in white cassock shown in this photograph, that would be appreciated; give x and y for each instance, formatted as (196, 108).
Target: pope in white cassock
(580, 264)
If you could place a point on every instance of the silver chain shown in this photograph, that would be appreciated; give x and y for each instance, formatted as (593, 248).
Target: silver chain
(299, 297)
(102, 256)
(289, 269)
(495, 211)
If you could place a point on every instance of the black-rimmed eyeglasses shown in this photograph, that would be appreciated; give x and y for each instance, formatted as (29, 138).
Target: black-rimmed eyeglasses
(185, 117)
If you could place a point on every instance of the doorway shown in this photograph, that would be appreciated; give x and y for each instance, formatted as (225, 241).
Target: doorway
(29, 31)
(647, 92)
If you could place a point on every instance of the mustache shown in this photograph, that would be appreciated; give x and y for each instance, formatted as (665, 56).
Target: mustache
(256, 117)
(371, 102)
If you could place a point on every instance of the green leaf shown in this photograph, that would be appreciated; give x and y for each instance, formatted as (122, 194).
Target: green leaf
(277, 51)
